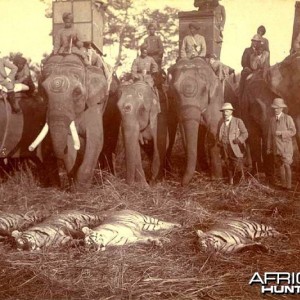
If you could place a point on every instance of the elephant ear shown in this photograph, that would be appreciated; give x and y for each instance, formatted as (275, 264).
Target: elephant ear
(96, 85)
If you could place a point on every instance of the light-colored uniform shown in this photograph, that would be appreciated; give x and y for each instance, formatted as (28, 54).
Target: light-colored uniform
(5, 63)
(143, 67)
(193, 46)
(65, 39)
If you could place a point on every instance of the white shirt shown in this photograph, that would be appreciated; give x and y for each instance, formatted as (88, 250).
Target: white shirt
(227, 122)
(278, 117)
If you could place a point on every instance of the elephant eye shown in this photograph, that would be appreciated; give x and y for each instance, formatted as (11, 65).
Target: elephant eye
(77, 92)
(127, 108)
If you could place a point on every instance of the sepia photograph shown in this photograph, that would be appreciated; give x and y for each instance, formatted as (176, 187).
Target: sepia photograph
(149, 149)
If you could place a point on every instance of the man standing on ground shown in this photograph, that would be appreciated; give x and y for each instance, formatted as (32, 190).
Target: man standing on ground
(232, 137)
(280, 143)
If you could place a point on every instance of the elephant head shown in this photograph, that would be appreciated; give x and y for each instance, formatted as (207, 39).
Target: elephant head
(76, 97)
(139, 108)
(199, 98)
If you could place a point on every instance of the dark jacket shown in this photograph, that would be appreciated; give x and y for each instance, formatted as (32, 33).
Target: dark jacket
(246, 57)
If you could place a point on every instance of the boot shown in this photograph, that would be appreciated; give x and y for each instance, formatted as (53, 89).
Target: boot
(288, 176)
(13, 102)
(282, 176)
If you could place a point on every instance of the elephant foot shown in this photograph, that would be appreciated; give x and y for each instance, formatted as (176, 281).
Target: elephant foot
(186, 180)
(143, 185)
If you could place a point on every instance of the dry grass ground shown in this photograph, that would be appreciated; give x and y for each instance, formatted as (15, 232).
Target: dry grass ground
(179, 270)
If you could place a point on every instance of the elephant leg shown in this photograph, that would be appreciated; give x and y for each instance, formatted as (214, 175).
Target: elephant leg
(215, 155)
(191, 128)
(156, 159)
(131, 142)
(268, 161)
(182, 133)
(92, 125)
(162, 141)
(85, 173)
(255, 145)
(139, 171)
(172, 128)
(202, 163)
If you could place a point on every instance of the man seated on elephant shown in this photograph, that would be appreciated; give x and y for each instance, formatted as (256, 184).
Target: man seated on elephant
(154, 45)
(232, 137)
(7, 81)
(221, 70)
(144, 66)
(260, 60)
(67, 37)
(280, 143)
(253, 51)
(23, 74)
(193, 44)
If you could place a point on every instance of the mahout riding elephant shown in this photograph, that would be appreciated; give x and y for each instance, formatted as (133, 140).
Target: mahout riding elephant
(142, 124)
(76, 97)
(199, 97)
(18, 131)
(284, 79)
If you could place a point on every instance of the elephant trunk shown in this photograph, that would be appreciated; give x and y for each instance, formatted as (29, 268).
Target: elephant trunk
(191, 128)
(59, 130)
(131, 141)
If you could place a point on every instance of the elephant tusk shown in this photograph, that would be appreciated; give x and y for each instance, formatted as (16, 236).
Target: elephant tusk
(75, 136)
(39, 138)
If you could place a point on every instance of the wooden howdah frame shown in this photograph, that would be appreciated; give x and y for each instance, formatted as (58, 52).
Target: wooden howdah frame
(88, 20)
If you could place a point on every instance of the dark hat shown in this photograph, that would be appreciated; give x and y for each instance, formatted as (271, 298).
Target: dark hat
(194, 25)
(143, 47)
(67, 16)
(19, 60)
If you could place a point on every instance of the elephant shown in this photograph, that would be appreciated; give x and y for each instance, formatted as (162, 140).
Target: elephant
(143, 122)
(255, 109)
(284, 80)
(279, 80)
(76, 99)
(18, 131)
(199, 97)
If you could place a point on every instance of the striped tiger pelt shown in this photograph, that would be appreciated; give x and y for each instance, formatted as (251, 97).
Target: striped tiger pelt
(56, 230)
(235, 236)
(126, 227)
(11, 221)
